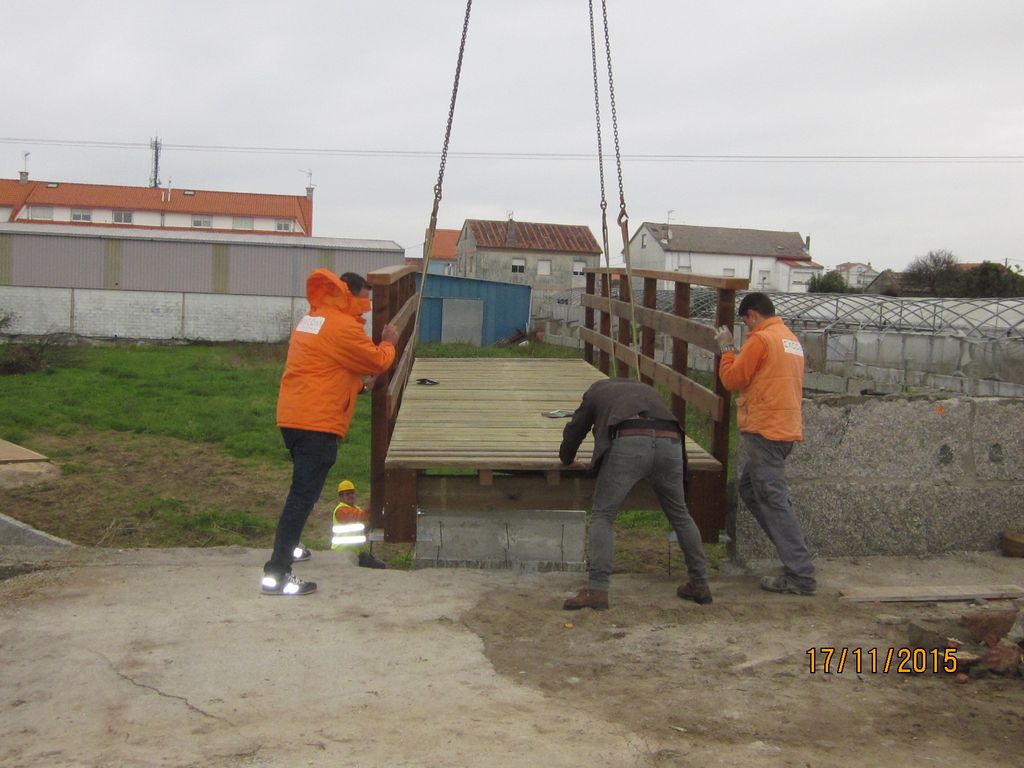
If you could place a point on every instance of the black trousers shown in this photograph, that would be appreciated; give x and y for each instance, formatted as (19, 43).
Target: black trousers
(313, 455)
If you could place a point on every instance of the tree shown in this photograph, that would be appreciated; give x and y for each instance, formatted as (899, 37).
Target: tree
(936, 273)
(829, 282)
(990, 281)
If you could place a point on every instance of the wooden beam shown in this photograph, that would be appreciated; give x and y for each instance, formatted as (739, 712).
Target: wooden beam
(724, 283)
(677, 327)
(929, 593)
(701, 397)
(400, 512)
(681, 349)
(389, 275)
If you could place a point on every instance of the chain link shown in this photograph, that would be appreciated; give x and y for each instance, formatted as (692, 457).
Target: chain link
(451, 108)
(597, 108)
(615, 117)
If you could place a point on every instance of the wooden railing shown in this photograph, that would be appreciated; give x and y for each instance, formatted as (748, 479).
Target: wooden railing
(678, 330)
(394, 301)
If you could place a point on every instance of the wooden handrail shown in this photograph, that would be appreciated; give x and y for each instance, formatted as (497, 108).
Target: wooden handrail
(404, 316)
(724, 283)
(399, 378)
(677, 327)
(390, 275)
(701, 397)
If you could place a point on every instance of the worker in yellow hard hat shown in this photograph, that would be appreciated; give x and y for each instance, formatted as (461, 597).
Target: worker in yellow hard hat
(349, 527)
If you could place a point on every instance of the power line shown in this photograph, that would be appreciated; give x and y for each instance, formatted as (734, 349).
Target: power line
(494, 155)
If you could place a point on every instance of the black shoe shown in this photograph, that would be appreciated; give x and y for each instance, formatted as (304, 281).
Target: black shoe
(785, 586)
(288, 585)
(301, 554)
(366, 560)
(700, 594)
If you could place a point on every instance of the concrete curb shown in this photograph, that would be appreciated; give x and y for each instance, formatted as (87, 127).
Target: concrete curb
(15, 532)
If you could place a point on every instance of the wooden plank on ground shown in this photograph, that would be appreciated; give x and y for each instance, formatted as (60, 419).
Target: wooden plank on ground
(930, 593)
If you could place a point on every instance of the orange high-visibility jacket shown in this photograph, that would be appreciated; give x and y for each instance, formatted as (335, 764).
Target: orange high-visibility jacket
(769, 375)
(328, 354)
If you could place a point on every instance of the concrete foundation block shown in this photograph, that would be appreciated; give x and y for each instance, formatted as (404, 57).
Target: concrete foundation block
(543, 540)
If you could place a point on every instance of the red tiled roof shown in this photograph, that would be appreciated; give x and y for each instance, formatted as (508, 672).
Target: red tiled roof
(527, 236)
(64, 194)
(802, 263)
(444, 243)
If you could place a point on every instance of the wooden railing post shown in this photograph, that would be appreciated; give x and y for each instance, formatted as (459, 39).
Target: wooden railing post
(650, 301)
(380, 430)
(725, 314)
(606, 324)
(680, 349)
(588, 318)
(625, 328)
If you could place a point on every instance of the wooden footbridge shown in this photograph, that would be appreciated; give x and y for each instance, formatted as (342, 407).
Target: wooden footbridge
(476, 440)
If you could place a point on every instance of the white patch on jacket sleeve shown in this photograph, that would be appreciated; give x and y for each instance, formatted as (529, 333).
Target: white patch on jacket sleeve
(792, 347)
(310, 324)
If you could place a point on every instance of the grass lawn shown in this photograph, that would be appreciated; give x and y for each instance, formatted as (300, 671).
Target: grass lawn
(176, 445)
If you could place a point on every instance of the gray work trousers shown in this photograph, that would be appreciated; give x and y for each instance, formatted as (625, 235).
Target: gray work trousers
(762, 486)
(628, 461)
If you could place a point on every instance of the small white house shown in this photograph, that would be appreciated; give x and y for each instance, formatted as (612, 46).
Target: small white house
(856, 274)
(772, 261)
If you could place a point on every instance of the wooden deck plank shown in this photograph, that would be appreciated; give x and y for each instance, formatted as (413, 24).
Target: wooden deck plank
(486, 414)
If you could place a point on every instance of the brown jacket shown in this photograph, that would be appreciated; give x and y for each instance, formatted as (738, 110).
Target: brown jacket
(605, 404)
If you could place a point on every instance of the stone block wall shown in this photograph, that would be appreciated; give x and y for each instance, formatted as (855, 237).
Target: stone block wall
(901, 475)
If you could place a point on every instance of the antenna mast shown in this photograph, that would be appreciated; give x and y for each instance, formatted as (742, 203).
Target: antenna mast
(154, 178)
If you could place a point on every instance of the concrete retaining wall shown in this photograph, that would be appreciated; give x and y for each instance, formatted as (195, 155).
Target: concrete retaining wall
(901, 476)
(154, 315)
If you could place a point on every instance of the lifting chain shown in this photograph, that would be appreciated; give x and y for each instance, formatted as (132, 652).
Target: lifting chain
(428, 244)
(623, 217)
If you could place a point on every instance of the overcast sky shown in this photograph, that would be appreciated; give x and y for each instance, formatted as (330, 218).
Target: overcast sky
(899, 78)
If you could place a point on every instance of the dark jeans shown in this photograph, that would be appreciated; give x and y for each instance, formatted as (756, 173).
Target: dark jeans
(763, 488)
(313, 455)
(627, 462)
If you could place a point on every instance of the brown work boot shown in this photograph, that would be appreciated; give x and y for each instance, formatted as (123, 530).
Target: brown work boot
(699, 593)
(588, 598)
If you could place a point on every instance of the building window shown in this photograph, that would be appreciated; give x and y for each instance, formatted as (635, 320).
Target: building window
(283, 225)
(578, 267)
(42, 212)
(643, 241)
(122, 217)
(544, 267)
(242, 222)
(762, 277)
(201, 221)
(80, 214)
(729, 272)
(518, 266)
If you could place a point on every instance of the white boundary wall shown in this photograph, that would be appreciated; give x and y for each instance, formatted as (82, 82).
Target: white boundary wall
(149, 314)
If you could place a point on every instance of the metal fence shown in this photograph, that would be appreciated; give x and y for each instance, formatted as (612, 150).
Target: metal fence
(970, 318)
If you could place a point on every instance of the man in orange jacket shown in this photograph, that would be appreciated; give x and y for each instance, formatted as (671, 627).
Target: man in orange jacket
(769, 375)
(328, 355)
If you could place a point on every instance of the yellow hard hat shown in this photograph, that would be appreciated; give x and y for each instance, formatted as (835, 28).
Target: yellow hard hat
(346, 485)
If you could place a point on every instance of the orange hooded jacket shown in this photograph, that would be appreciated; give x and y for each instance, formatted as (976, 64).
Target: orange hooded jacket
(769, 375)
(328, 354)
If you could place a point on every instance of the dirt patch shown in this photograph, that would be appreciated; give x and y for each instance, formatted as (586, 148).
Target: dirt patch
(126, 490)
(693, 680)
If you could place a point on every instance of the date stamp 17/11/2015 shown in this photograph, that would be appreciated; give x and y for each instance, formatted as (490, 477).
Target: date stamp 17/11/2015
(902, 661)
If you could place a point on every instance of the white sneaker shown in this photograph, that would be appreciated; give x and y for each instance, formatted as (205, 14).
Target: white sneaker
(288, 585)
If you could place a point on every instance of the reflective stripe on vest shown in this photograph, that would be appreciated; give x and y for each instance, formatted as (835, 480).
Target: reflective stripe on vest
(347, 532)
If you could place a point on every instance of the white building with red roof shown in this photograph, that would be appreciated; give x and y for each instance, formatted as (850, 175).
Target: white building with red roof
(89, 205)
